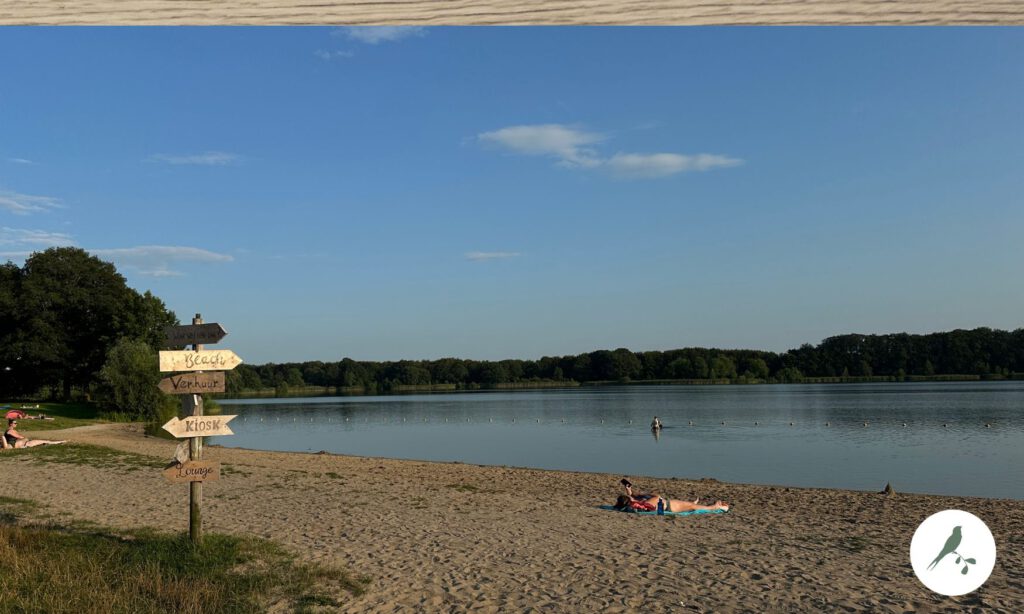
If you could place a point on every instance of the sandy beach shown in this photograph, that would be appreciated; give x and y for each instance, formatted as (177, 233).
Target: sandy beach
(441, 537)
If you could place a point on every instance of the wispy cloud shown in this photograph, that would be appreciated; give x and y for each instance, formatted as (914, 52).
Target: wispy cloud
(209, 158)
(159, 260)
(374, 35)
(483, 256)
(20, 161)
(23, 237)
(575, 148)
(333, 55)
(26, 204)
(635, 165)
(567, 144)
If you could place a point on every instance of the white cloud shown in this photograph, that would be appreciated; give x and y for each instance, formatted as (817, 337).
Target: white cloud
(20, 161)
(25, 204)
(664, 164)
(373, 35)
(481, 256)
(42, 239)
(157, 260)
(572, 147)
(209, 158)
(333, 55)
(565, 143)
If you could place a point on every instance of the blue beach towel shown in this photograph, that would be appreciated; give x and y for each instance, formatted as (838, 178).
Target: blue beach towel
(611, 508)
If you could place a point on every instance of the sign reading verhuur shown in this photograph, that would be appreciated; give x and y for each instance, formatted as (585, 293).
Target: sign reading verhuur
(193, 383)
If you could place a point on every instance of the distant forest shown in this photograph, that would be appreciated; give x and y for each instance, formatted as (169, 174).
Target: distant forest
(71, 327)
(982, 353)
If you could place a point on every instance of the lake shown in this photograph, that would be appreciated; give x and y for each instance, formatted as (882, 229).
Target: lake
(794, 435)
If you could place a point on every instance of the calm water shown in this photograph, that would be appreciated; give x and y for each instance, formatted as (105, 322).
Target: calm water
(945, 447)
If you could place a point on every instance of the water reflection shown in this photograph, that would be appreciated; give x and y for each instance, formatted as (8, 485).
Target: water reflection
(853, 436)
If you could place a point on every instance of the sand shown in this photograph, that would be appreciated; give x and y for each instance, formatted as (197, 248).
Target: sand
(443, 537)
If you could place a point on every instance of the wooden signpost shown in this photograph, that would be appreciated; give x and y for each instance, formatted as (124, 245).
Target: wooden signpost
(207, 375)
(193, 383)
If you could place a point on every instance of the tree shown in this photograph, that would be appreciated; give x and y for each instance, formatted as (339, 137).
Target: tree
(723, 366)
(789, 375)
(75, 307)
(129, 379)
(757, 368)
(624, 365)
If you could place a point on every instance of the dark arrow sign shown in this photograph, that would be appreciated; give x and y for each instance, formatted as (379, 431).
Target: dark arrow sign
(193, 383)
(191, 334)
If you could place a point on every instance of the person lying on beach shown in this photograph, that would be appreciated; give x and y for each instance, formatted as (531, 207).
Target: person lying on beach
(15, 439)
(17, 414)
(648, 502)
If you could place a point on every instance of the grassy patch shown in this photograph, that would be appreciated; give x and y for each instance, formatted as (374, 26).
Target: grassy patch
(86, 569)
(464, 487)
(85, 454)
(334, 476)
(11, 509)
(65, 415)
(233, 470)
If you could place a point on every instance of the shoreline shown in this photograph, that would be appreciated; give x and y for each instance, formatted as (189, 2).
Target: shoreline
(404, 390)
(454, 536)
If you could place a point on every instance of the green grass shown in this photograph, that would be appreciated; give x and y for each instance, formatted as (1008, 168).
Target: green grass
(65, 415)
(227, 469)
(82, 568)
(85, 454)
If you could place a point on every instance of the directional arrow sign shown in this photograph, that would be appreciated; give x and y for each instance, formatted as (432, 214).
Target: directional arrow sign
(192, 471)
(193, 383)
(199, 426)
(194, 333)
(188, 360)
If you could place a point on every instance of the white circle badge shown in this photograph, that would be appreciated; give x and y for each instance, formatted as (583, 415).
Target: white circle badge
(953, 552)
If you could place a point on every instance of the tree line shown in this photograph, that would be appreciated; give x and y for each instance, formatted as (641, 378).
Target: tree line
(70, 325)
(982, 352)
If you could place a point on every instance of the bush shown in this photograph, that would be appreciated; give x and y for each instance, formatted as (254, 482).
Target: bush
(129, 380)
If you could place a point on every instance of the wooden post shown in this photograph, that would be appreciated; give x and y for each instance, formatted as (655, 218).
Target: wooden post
(195, 450)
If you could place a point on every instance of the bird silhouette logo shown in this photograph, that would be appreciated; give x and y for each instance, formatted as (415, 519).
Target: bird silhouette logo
(936, 552)
(952, 543)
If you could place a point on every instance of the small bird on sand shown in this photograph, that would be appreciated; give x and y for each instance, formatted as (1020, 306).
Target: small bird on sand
(952, 542)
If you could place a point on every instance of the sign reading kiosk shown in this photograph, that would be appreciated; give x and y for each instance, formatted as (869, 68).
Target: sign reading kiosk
(199, 426)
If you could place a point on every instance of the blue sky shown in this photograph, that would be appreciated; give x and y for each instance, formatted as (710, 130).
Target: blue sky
(516, 192)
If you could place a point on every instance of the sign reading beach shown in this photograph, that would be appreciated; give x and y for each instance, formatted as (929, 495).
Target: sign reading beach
(198, 360)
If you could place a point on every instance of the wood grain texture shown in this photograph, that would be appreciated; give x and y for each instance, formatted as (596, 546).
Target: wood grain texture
(523, 12)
